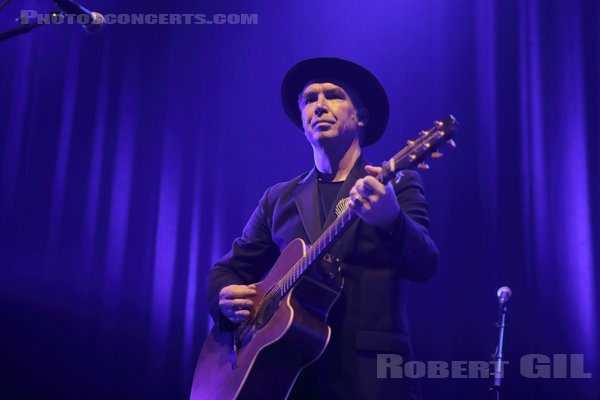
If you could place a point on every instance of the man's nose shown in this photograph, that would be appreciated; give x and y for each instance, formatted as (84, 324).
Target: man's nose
(320, 110)
(321, 107)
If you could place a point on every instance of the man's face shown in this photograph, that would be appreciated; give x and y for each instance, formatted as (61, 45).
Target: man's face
(328, 112)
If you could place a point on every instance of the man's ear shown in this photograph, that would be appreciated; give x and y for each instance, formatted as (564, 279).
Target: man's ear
(363, 116)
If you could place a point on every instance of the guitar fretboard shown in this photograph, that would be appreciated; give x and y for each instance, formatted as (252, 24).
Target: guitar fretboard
(316, 251)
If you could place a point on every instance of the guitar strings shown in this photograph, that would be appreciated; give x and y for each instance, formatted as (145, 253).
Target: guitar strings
(312, 254)
(292, 276)
(297, 270)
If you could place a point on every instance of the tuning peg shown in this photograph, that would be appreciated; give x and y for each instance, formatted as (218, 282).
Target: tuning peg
(438, 123)
(423, 166)
(437, 154)
(410, 142)
(451, 143)
(423, 133)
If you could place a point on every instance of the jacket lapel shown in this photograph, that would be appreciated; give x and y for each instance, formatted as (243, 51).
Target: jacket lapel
(307, 202)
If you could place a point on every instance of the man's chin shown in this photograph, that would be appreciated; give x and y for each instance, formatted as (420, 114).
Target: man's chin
(325, 132)
(324, 137)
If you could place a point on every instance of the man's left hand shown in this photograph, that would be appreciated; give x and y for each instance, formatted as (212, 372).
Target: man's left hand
(374, 202)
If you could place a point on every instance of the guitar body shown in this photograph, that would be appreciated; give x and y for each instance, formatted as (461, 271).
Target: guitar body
(270, 354)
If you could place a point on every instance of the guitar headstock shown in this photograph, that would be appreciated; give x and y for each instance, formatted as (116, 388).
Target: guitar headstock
(419, 149)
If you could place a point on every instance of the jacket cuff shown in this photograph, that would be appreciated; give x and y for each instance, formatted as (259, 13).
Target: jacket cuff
(392, 237)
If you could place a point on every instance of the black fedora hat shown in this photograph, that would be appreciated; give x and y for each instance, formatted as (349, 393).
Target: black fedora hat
(333, 69)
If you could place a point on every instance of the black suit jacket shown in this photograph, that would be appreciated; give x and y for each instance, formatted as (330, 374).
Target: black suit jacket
(370, 316)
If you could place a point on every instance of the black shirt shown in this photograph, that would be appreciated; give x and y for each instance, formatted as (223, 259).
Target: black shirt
(328, 192)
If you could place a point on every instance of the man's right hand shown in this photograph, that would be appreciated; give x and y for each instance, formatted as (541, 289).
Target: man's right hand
(235, 302)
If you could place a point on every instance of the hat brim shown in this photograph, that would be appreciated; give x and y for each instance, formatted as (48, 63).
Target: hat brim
(359, 78)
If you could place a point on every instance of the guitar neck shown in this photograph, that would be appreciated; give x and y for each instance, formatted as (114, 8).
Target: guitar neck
(412, 155)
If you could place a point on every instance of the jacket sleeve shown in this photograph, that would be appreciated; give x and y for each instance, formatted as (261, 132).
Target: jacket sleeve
(407, 243)
(249, 259)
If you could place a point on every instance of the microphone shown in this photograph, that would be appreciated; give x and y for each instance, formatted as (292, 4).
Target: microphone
(503, 294)
(94, 21)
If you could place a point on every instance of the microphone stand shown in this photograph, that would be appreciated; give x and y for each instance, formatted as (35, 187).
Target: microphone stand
(25, 27)
(497, 356)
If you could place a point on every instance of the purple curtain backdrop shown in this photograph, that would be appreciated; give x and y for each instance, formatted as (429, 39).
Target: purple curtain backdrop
(131, 159)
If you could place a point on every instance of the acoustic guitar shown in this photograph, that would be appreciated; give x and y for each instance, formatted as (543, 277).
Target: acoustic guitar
(287, 330)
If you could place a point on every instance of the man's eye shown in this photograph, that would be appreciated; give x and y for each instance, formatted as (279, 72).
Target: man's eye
(308, 100)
